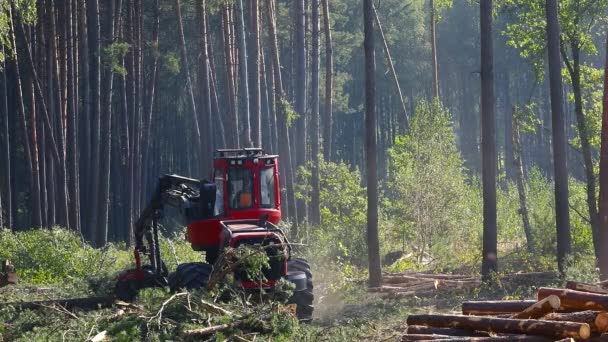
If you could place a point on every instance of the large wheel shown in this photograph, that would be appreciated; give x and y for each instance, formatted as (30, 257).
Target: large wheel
(303, 298)
(190, 276)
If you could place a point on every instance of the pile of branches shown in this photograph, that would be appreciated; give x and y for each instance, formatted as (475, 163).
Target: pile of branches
(407, 284)
(577, 312)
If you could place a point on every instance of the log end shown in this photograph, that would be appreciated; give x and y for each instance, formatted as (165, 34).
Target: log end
(601, 322)
(585, 331)
(554, 302)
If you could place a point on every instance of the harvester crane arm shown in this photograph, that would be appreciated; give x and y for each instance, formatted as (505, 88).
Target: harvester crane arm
(174, 191)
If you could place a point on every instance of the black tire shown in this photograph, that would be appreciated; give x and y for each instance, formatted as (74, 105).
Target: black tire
(304, 298)
(126, 290)
(190, 276)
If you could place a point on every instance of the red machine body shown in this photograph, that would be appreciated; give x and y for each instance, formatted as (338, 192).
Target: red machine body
(247, 185)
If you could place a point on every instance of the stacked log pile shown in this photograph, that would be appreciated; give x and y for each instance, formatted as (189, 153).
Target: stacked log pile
(409, 284)
(577, 312)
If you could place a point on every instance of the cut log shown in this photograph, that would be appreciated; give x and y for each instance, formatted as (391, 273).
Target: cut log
(578, 300)
(597, 320)
(514, 338)
(88, 303)
(424, 330)
(540, 308)
(504, 325)
(495, 307)
(585, 287)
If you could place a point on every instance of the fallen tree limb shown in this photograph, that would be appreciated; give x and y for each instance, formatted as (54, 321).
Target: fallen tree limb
(504, 325)
(88, 303)
(540, 308)
(578, 300)
(495, 307)
(514, 338)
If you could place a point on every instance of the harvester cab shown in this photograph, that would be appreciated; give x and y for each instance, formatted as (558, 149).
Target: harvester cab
(239, 207)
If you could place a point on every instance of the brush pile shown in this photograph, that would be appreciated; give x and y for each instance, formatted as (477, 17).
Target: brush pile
(407, 284)
(577, 312)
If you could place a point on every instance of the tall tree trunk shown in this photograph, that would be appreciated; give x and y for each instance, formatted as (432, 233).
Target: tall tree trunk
(434, 51)
(510, 167)
(72, 125)
(184, 53)
(242, 49)
(282, 129)
(233, 118)
(101, 235)
(95, 68)
(519, 179)
(373, 244)
(329, 76)
(7, 218)
(389, 61)
(562, 211)
(488, 141)
(603, 205)
(87, 105)
(204, 87)
(300, 98)
(256, 112)
(315, 211)
(56, 110)
(574, 69)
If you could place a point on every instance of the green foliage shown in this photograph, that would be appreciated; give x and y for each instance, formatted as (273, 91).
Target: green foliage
(26, 12)
(285, 108)
(171, 62)
(433, 201)
(112, 56)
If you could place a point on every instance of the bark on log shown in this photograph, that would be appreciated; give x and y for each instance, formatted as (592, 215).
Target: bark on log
(494, 307)
(424, 330)
(578, 300)
(585, 287)
(540, 308)
(504, 325)
(597, 320)
(423, 337)
(515, 338)
(204, 332)
(88, 303)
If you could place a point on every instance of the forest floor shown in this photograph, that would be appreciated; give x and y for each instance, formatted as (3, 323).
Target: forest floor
(350, 314)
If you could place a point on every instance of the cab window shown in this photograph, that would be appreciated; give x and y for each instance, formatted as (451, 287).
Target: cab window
(267, 188)
(240, 188)
(218, 178)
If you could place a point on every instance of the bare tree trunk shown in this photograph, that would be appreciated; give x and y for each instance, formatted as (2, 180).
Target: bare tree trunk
(242, 49)
(389, 61)
(434, 51)
(101, 236)
(6, 220)
(300, 98)
(519, 179)
(233, 120)
(95, 67)
(184, 53)
(373, 244)
(282, 129)
(72, 125)
(488, 142)
(256, 88)
(315, 211)
(575, 75)
(329, 75)
(204, 87)
(562, 211)
(85, 127)
(603, 205)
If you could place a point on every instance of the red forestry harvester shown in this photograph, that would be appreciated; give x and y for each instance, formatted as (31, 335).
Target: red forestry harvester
(241, 207)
